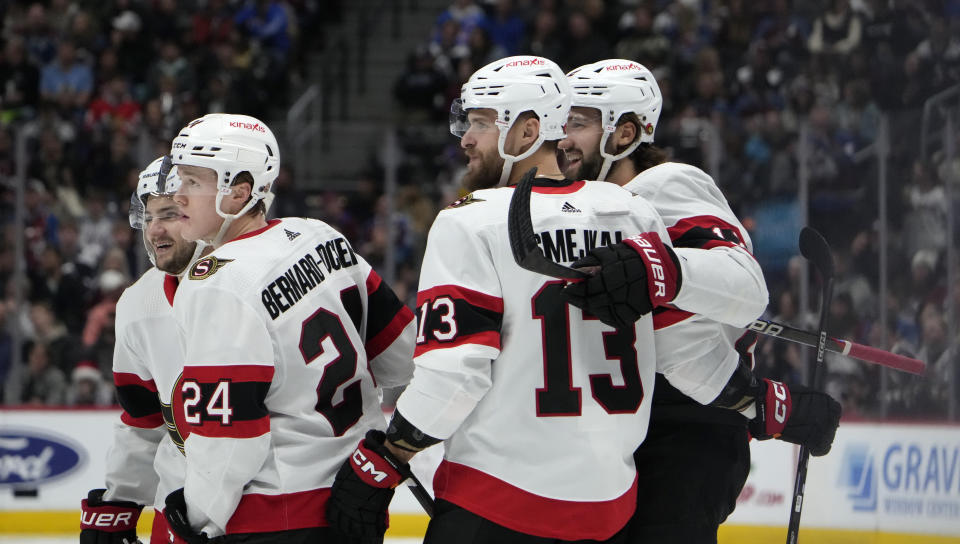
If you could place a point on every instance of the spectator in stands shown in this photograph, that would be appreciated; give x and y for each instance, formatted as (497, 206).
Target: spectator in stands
(581, 44)
(63, 288)
(137, 53)
(421, 89)
(40, 40)
(86, 34)
(640, 41)
(266, 22)
(41, 383)
(88, 387)
(466, 13)
(95, 230)
(98, 337)
(925, 225)
(174, 65)
(212, 23)
(506, 27)
(114, 107)
(68, 80)
(836, 33)
(19, 82)
(544, 40)
(60, 348)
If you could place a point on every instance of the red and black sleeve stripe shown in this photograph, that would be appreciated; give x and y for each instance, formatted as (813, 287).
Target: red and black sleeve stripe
(451, 315)
(139, 400)
(705, 232)
(387, 316)
(225, 401)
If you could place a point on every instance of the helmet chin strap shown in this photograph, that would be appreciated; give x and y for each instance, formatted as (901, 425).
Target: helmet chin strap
(228, 218)
(508, 160)
(609, 159)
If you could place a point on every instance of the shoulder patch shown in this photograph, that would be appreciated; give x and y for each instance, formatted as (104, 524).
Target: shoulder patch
(206, 267)
(463, 201)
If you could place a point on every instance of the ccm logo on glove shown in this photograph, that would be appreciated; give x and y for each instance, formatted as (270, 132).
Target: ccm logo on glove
(780, 398)
(373, 468)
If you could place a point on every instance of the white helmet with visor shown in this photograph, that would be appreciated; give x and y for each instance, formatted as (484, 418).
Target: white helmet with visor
(512, 86)
(230, 144)
(616, 87)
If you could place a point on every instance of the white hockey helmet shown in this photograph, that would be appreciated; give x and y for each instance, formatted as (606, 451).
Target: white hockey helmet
(511, 86)
(230, 144)
(616, 87)
(158, 178)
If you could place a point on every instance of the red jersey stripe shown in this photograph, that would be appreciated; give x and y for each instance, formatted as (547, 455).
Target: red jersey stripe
(376, 345)
(121, 379)
(258, 513)
(151, 421)
(237, 373)
(484, 338)
(251, 428)
(526, 512)
(476, 298)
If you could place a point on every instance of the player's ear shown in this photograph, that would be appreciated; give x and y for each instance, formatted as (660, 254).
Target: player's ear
(625, 134)
(531, 130)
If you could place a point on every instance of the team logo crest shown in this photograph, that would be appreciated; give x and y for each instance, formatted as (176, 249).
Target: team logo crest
(461, 202)
(648, 128)
(206, 267)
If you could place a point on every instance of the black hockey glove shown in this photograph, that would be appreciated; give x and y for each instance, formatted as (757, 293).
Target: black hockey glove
(176, 514)
(108, 522)
(362, 490)
(798, 415)
(633, 277)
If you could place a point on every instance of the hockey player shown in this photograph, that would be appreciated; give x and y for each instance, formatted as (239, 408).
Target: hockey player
(288, 336)
(696, 458)
(534, 453)
(143, 464)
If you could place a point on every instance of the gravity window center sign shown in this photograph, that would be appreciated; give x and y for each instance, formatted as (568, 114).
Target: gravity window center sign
(29, 458)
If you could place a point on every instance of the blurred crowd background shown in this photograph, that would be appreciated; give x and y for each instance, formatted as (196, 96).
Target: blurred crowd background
(761, 94)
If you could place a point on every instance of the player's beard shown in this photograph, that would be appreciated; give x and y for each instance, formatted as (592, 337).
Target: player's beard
(178, 260)
(485, 175)
(589, 168)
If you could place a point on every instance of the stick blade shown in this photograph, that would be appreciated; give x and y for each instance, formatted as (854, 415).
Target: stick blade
(815, 249)
(523, 241)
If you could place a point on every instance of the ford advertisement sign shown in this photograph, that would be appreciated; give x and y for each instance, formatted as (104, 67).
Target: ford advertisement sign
(28, 458)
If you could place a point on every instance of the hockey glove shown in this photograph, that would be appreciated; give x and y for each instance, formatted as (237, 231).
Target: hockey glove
(176, 514)
(798, 415)
(634, 277)
(108, 522)
(362, 490)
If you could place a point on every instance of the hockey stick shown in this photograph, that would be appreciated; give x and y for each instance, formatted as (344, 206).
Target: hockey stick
(523, 241)
(420, 493)
(527, 254)
(836, 345)
(816, 250)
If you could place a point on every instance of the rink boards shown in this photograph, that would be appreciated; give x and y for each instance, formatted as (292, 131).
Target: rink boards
(882, 482)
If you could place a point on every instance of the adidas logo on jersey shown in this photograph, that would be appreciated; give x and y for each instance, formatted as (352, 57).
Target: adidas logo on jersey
(569, 208)
(291, 235)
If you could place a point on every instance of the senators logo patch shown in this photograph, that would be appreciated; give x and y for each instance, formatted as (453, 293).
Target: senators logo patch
(206, 267)
(469, 199)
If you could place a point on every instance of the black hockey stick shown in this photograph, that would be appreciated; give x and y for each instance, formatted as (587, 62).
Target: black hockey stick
(527, 254)
(523, 241)
(816, 250)
(420, 493)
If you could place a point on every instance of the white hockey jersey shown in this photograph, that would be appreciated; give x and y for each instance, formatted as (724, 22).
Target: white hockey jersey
(725, 278)
(541, 406)
(143, 464)
(287, 334)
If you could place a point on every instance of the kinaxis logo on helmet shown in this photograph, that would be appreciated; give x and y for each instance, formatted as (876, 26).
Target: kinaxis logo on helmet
(30, 458)
(631, 66)
(249, 126)
(525, 62)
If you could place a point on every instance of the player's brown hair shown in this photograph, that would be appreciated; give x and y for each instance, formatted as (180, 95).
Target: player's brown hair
(646, 155)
